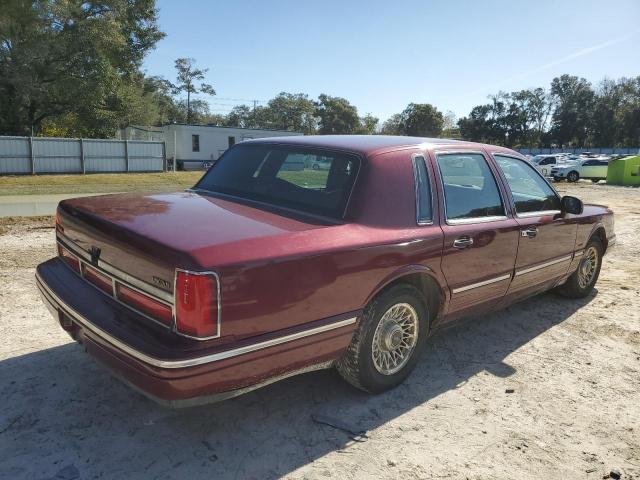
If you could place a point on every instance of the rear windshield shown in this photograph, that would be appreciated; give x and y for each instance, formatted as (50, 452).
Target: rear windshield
(310, 180)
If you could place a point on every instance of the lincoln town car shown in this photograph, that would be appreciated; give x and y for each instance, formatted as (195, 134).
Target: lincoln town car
(269, 267)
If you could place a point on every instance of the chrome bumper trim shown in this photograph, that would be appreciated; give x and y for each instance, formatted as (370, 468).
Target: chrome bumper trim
(481, 284)
(115, 273)
(190, 362)
(543, 265)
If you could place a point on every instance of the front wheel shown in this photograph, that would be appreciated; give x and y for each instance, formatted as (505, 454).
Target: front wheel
(573, 176)
(388, 342)
(582, 281)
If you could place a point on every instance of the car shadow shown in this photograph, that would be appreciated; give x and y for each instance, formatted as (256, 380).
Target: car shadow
(63, 414)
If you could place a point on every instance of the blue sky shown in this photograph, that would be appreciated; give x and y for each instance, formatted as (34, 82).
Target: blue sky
(382, 55)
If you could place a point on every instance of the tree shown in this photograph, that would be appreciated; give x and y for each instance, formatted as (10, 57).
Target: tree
(240, 116)
(573, 99)
(368, 124)
(289, 111)
(75, 61)
(449, 125)
(190, 80)
(392, 125)
(336, 115)
(627, 115)
(421, 120)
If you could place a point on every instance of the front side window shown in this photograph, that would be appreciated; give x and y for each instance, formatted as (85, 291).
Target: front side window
(309, 180)
(529, 190)
(470, 189)
(195, 143)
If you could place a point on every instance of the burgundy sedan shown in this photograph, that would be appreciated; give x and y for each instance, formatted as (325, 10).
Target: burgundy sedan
(271, 266)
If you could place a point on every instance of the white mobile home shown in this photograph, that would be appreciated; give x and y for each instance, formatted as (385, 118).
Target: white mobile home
(194, 147)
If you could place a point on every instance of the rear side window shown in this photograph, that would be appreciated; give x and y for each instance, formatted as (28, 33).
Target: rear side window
(423, 190)
(529, 190)
(309, 180)
(470, 189)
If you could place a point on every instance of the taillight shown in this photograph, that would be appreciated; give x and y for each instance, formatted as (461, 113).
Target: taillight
(98, 279)
(196, 303)
(145, 304)
(69, 258)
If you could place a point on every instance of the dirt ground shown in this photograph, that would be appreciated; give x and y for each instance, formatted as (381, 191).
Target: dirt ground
(573, 366)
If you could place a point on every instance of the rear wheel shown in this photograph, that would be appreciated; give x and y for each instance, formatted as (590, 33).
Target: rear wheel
(389, 340)
(582, 281)
(573, 176)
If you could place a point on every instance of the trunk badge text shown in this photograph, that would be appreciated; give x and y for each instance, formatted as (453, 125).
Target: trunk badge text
(161, 282)
(95, 255)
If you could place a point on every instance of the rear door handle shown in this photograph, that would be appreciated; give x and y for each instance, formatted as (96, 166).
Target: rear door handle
(463, 242)
(529, 232)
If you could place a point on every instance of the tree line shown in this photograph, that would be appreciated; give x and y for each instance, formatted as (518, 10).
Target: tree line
(570, 113)
(73, 69)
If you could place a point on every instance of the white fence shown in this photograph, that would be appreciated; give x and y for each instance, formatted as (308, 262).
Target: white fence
(599, 150)
(33, 155)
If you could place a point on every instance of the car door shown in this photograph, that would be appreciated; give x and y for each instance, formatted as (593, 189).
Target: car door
(546, 165)
(603, 166)
(589, 169)
(547, 237)
(480, 236)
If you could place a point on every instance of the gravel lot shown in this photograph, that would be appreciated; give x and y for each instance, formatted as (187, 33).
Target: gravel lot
(573, 366)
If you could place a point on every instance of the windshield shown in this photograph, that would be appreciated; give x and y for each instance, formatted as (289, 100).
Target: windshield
(310, 180)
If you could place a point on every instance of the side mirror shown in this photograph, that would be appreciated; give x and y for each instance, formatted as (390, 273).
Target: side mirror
(571, 205)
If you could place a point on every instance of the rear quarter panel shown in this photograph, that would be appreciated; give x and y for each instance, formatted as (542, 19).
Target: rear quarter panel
(308, 276)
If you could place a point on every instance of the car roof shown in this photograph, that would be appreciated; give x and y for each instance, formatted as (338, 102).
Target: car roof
(368, 145)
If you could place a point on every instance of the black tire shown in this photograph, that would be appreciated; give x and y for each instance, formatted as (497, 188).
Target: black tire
(572, 288)
(315, 166)
(595, 180)
(357, 365)
(573, 176)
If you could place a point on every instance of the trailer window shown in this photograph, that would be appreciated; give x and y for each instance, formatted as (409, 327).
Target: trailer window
(195, 143)
(309, 180)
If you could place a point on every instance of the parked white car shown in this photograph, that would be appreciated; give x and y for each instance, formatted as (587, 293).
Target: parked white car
(544, 163)
(594, 169)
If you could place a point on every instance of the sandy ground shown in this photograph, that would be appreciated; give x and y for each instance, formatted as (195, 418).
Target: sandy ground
(574, 367)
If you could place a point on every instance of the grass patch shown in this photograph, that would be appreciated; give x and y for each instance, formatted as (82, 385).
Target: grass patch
(97, 183)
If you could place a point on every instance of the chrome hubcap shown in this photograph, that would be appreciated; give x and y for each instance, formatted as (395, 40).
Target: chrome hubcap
(587, 268)
(395, 338)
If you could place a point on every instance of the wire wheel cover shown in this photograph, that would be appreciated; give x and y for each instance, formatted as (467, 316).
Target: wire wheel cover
(395, 338)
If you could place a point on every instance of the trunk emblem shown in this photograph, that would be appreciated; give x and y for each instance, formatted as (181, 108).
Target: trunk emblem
(161, 282)
(95, 255)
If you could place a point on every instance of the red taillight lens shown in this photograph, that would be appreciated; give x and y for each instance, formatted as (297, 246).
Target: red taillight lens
(197, 304)
(145, 304)
(98, 279)
(68, 257)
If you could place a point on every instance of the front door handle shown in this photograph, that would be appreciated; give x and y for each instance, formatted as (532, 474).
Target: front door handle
(529, 232)
(463, 242)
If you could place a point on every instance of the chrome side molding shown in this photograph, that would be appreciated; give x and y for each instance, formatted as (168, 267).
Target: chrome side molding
(543, 265)
(481, 284)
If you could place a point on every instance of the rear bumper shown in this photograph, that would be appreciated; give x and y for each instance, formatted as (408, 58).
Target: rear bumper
(176, 371)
